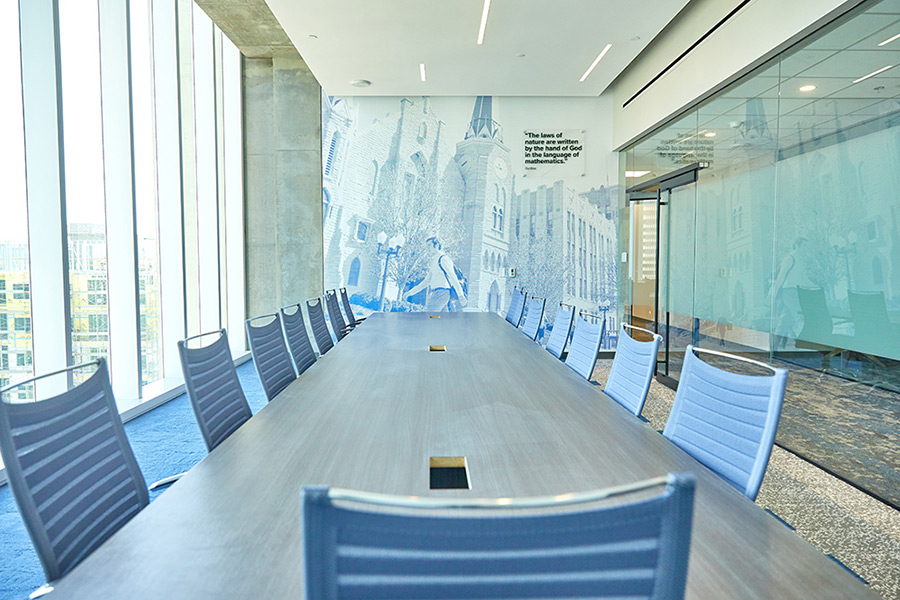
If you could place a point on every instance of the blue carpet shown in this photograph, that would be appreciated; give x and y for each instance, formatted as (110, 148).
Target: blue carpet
(166, 441)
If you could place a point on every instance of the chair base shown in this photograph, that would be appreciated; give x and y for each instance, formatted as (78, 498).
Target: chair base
(165, 482)
(41, 591)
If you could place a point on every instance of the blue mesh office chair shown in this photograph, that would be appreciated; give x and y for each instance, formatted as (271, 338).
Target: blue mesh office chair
(338, 325)
(637, 549)
(516, 307)
(727, 420)
(585, 346)
(632, 369)
(319, 327)
(270, 354)
(213, 388)
(71, 469)
(535, 317)
(562, 326)
(297, 338)
(352, 319)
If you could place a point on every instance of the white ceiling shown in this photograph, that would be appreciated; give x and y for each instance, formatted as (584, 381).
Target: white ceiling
(384, 41)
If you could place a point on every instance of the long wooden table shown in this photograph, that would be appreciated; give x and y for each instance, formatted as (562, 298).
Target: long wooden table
(370, 413)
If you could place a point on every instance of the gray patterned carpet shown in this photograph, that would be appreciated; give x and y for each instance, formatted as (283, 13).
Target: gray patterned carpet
(833, 516)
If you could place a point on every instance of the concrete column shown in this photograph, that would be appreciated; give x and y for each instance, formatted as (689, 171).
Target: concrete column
(283, 182)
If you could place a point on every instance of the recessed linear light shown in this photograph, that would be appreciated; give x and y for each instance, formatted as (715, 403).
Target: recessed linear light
(873, 73)
(889, 40)
(484, 16)
(596, 60)
(633, 174)
(807, 88)
(422, 71)
(710, 134)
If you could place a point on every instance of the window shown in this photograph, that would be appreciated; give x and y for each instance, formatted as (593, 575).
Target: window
(353, 278)
(423, 132)
(362, 230)
(500, 219)
(23, 324)
(326, 205)
(84, 168)
(98, 324)
(21, 291)
(332, 151)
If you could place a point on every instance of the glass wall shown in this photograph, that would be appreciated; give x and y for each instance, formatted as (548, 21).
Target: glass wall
(789, 248)
(96, 84)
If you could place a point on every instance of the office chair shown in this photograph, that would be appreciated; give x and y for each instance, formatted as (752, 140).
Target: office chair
(270, 354)
(297, 338)
(562, 327)
(319, 327)
(727, 420)
(632, 369)
(362, 545)
(516, 307)
(213, 388)
(340, 328)
(535, 317)
(72, 472)
(585, 345)
(352, 319)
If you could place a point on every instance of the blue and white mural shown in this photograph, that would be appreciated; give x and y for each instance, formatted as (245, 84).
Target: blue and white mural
(426, 208)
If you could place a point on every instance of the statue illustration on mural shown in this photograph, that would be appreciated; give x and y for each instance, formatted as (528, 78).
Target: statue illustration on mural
(446, 290)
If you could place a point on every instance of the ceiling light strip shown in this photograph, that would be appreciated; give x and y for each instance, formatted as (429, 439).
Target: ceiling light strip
(596, 60)
(484, 16)
(422, 71)
(889, 40)
(873, 73)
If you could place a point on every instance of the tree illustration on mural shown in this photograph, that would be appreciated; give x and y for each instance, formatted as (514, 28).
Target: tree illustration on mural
(540, 268)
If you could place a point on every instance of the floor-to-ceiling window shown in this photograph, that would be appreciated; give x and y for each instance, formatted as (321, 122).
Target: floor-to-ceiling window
(92, 239)
(790, 246)
(15, 285)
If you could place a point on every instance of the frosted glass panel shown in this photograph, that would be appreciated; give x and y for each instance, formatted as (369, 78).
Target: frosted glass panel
(795, 230)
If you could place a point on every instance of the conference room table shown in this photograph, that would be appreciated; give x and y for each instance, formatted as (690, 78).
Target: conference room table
(369, 415)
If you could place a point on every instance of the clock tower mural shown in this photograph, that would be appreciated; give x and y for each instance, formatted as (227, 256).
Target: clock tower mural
(484, 166)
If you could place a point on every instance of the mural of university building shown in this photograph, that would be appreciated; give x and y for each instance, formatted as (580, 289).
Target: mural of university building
(401, 181)
(565, 245)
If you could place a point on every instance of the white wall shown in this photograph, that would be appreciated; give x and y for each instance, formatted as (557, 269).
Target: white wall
(757, 32)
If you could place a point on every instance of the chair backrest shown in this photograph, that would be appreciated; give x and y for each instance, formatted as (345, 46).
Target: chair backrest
(345, 300)
(319, 327)
(516, 307)
(334, 315)
(297, 338)
(817, 320)
(632, 369)
(585, 346)
(562, 326)
(637, 549)
(270, 354)
(535, 317)
(727, 420)
(870, 315)
(213, 388)
(71, 469)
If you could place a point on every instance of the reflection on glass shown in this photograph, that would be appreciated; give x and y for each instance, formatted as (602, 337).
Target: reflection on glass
(793, 246)
(85, 203)
(144, 128)
(15, 292)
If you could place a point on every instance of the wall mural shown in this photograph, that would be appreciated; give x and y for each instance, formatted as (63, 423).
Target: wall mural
(427, 207)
